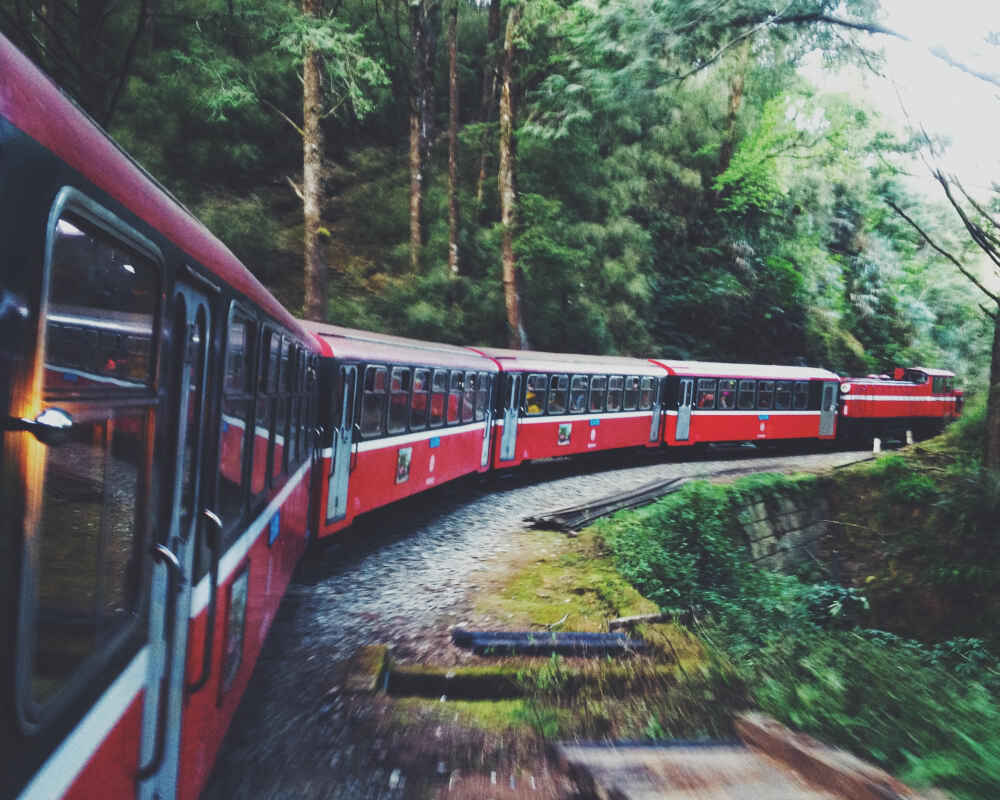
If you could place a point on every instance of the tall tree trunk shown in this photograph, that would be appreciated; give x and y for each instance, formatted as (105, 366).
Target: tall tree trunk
(418, 98)
(453, 140)
(991, 443)
(489, 94)
(508, 198)
(312, 180)
(736, 87)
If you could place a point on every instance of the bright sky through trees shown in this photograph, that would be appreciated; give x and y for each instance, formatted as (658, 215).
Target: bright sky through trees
(941, 98)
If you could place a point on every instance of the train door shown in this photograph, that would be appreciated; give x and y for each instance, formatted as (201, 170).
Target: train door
(484, 459)
(828, 409)
(512, 409)
(175, 555)
(654, 427)
(685, 394)
(343, 441)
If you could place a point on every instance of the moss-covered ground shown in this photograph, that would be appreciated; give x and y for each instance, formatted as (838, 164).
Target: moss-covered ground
(675, 689)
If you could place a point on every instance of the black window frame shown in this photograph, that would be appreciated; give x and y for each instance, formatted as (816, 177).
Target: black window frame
(732, 386)
(555, 390)
(800, 396)
(651, 388)
(585, 390)
(598, 408)
(143, 399)
(705, 388)
(374, 393)
(765, 389)
(746, 395)
(531, 380)
(783, 388)
(618, 393)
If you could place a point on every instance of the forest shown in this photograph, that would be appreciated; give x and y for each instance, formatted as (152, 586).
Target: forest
(654, 177)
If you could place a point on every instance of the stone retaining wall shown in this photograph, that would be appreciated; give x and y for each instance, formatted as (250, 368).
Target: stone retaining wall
(781, 531)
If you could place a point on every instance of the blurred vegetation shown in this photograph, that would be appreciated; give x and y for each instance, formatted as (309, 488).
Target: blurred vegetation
(896, 659)
(736, 214)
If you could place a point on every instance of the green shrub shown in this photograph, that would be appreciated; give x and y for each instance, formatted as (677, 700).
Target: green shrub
(889, 704)
(927, 712)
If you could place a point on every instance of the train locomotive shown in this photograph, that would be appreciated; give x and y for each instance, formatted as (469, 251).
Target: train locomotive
(173, 438)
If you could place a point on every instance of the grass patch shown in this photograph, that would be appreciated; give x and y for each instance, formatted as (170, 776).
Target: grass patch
(915, 541)
(575, 581)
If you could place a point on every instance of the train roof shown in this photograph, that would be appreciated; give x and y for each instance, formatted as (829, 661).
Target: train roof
(930, 372)
(532, 360)
(349, 343)
(34, 104)
(716, 369)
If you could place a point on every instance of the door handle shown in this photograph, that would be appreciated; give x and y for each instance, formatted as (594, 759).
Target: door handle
(355, 441)
(162, 555)
(213, 538)
(52, 427)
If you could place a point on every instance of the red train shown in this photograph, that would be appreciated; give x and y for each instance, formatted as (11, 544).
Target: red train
(173, 438)
(157, 457)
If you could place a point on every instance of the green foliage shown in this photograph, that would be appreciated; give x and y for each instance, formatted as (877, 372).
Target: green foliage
(927, 712)
(893, 705)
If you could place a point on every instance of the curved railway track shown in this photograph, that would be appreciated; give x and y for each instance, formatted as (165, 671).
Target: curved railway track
(402, 580)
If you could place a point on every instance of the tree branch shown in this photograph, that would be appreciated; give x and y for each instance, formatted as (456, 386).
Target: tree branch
(126, 65)
(774, 18)
(295, 188)
(943, 252)
(731, 43)
(974, 230)
(282, 114)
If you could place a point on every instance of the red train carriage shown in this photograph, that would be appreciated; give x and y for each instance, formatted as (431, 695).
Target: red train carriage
(918, 399)
(556, 405)
(155, 462)
(709, 402)
(399, 416)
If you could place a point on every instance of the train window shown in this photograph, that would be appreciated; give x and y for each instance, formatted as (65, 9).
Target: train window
(280, 437)
(727, 394)
(101, 306)
(267, 375)
(399, 399)
(706, 392)
(783, 395)
(937, 386)
(578, 390)
(558, 393)
(420, 401)
(483, 397)
(439, 393)
(236, 420)
(631, 399)
(748, 395)
(800, 398)
(535, 388)
(616, 387)
(286, 366)
(373, 401)
(647, 393)
(88, 547)
(765, 394)
(455, 392)
(469, 398)
(261, 441)
(949, 384)
(237, 376)
(598, 391)
(292, 442)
